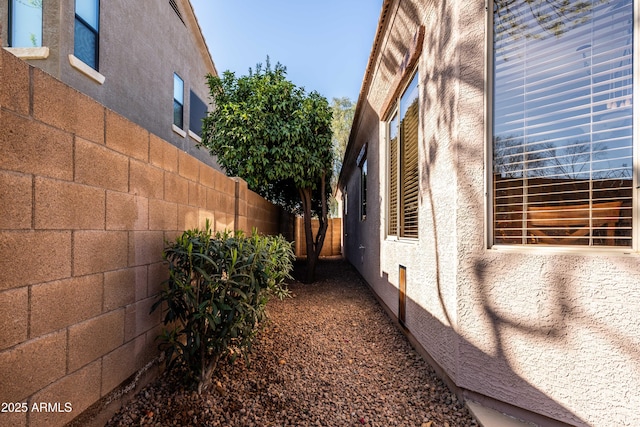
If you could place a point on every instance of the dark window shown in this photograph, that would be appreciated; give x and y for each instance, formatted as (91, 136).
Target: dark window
(197, 112)
(178, 101)
(86, 39)
(563, 123)
(25, 23)
(362, 164)
(363, 190)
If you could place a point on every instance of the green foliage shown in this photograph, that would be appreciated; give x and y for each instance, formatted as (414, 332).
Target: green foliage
(343, 111)
(216, 295)
(267, 130)
(276, 137)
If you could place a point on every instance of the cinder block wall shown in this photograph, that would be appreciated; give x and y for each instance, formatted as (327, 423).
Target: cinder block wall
(87, 201)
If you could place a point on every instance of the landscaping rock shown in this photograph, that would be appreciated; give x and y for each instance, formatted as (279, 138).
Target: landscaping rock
(329, 356)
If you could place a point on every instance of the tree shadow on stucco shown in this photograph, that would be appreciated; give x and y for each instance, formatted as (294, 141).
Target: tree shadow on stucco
(453, 74)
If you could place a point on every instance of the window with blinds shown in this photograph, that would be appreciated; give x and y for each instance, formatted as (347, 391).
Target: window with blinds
(403, 164)
(562, 123)
(393, 177)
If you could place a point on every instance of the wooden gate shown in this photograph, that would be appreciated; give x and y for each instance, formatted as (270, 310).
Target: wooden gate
(332, 242)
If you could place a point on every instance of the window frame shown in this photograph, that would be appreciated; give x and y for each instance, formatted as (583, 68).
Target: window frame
(395, 113)
(488, 154)
(95, 30)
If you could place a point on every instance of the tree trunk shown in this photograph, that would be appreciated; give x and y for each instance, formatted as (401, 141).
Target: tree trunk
(314, 246)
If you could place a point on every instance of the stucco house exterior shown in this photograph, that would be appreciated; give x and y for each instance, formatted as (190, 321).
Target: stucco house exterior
(490, 191)
(144, 60)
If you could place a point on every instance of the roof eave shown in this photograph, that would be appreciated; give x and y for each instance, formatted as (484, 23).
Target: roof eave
(348, 162)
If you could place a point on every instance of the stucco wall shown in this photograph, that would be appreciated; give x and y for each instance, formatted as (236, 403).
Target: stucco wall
(88, 199)
(552, 332)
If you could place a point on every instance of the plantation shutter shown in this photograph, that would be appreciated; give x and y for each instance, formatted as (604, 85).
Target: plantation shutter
(393, 176)
(562, 131)
(409, 142)
(409, 137)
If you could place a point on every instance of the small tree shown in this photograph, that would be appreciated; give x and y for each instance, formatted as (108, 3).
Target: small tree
(275, 136)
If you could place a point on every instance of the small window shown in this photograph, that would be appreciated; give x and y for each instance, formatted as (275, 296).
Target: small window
(403, 164)
(345, 203)
(363, 190)
(86, 39)
(197, 113)
(362, 164)
(178, 101)
(25, 23)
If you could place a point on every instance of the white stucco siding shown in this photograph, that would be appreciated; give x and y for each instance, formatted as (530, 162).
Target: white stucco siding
(558, 333)
(552, 332)
(555, 332)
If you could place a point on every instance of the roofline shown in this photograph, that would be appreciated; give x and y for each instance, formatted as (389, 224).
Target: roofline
(351, 151)
(204, 49)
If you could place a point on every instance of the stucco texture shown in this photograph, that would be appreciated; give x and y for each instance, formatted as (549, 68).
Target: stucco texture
(552, 332)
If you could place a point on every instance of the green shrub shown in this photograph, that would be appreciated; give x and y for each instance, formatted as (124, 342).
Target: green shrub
(216, 295)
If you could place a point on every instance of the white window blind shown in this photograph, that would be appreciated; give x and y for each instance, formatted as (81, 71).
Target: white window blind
(562, 123)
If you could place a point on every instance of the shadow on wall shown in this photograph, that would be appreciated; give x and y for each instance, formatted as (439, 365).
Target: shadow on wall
(452, 70)
(492, 368)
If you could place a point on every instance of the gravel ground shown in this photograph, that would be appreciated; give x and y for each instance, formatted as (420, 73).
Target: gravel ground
(328, 357)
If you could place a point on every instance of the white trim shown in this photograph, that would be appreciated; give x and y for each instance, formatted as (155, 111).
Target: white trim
(635, 207)
(488, 128)
(29, 52)
(85, 69)
(577, 250)
(407, 240)
(194, 136)
(179, 131)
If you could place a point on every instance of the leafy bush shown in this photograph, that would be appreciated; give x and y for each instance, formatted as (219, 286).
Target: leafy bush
(216, 295)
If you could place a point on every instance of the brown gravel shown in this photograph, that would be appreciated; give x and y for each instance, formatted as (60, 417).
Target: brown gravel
(328, 357)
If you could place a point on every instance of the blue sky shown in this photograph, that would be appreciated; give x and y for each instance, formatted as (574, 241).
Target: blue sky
(324, 44)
